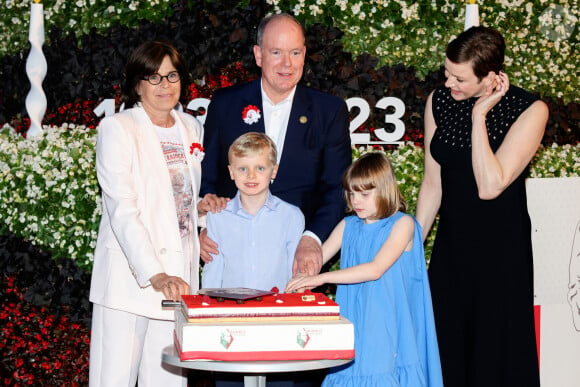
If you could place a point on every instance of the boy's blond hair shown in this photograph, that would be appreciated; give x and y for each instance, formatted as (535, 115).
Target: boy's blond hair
(253, 143)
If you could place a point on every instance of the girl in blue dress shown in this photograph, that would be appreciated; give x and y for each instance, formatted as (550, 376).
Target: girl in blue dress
(383, 288)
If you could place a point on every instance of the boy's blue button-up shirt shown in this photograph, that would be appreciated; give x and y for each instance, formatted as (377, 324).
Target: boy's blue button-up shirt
(254, 251)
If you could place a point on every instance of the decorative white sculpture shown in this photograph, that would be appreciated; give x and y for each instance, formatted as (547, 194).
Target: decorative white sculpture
(471, 15)
(36, 70)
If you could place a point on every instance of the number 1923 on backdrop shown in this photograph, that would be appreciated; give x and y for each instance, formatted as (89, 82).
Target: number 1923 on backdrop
(393, 108)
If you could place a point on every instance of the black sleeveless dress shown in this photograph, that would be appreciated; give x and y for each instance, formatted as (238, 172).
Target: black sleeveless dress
(481, 270)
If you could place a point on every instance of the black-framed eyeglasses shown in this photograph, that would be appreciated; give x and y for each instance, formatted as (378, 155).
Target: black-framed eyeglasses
(155, 79)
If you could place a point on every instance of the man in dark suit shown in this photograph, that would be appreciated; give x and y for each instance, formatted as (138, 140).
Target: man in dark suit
(310, 129)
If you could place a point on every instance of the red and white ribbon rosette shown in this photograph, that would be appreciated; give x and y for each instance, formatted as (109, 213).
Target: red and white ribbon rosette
(196, 149)
(251, 114)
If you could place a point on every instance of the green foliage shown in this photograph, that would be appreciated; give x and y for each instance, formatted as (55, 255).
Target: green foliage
(542, 37)
(48, 189)
(77, 17)
(49, 193)
(556, 161)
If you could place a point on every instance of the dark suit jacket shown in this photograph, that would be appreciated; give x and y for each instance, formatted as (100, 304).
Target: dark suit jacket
(316, 151)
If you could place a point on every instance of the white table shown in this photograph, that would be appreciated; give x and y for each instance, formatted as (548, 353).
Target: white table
(254, 371)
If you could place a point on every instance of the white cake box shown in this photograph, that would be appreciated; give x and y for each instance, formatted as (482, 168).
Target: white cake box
(253, 341)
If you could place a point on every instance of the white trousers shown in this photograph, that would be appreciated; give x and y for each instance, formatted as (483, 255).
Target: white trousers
(126, 348)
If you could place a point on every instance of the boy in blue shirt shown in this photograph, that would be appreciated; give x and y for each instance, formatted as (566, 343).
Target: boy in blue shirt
(257, 233)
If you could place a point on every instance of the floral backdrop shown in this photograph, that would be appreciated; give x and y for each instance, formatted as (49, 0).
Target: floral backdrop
(542, 38)
(49, 196)
(542, 35)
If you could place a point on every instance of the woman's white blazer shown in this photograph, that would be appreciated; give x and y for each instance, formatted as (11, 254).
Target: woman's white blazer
(138, 234)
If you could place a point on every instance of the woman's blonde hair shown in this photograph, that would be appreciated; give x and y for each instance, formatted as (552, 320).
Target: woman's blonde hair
(374, 171)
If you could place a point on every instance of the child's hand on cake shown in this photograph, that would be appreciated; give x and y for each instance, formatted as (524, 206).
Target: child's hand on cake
(172, 287)
(302, 282)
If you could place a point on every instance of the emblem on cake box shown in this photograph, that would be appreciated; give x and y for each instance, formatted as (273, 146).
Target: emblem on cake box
(302, 338)
(226, 339)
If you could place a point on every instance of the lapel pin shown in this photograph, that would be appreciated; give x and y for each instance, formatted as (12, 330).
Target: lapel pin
(303, 119)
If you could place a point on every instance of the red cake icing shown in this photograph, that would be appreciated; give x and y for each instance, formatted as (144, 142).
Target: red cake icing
(278, 306)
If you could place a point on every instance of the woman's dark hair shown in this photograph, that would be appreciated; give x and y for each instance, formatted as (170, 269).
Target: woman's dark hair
(145, 60)
(483, 46)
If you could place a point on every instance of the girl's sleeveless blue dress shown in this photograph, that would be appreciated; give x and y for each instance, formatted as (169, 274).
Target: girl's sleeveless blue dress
(395, 339)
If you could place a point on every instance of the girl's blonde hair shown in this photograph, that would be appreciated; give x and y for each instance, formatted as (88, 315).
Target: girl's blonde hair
(374, 170)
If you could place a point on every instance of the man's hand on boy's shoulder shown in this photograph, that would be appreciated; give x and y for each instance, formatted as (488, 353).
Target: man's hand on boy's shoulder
(207, 247)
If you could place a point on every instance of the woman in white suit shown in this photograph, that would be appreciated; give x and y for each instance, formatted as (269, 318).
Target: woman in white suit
(148, 167)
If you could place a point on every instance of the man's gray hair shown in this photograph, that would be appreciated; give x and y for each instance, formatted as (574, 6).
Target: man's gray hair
(265, 21)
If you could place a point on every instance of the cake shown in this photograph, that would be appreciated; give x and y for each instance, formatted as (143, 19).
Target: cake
(270, 307)
(289, 326)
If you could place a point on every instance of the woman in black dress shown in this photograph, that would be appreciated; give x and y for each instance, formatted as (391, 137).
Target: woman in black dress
(480, 135)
